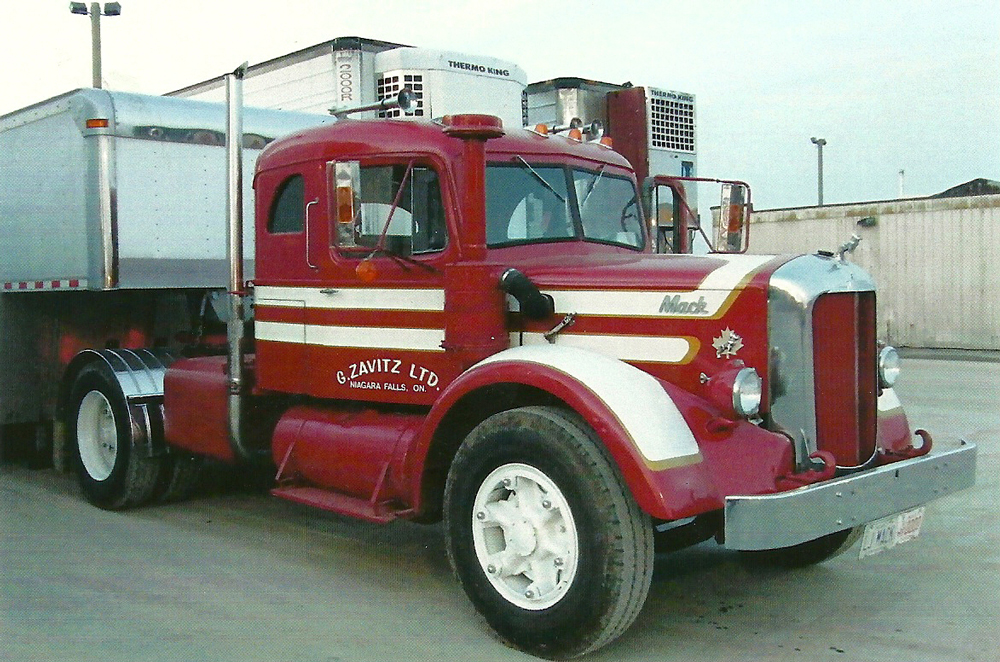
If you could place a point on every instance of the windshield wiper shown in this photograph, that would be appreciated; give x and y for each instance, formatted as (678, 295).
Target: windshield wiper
(593, 183)
(541, 179)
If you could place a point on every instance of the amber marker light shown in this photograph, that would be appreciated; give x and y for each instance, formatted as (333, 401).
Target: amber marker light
(97, 124)
(367, 271)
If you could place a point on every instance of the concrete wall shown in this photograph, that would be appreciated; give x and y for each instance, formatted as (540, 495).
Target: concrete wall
(936, 262)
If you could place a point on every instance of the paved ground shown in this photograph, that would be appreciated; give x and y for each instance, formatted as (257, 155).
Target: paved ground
(243, 577)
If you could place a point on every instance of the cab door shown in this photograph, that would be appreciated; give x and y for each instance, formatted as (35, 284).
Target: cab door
(376, 329)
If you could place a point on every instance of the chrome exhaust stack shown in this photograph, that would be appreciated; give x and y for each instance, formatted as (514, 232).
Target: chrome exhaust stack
(235, 334)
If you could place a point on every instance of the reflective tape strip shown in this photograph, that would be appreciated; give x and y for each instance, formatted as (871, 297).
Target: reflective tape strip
(356, 298)
(61, 284)
(424, 340)
(648, 349)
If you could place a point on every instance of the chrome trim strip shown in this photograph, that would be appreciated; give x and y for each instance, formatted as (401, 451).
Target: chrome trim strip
(107, 209)
(772, 521)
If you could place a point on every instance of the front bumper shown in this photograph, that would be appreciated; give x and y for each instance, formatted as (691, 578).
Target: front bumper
(772, 521)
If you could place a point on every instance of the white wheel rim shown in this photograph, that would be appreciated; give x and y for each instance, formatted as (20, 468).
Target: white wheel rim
(525, 537)
(97, 435)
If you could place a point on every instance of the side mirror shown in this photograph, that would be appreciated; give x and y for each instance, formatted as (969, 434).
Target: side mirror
(733, 226)
(675, 221)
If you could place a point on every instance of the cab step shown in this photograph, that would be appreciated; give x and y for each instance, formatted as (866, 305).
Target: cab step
(341, 504)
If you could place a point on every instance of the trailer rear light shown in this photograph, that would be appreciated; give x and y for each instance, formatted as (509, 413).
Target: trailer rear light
(97, 123)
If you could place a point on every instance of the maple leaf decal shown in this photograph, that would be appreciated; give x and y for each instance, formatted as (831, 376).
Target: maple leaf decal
(727, 344)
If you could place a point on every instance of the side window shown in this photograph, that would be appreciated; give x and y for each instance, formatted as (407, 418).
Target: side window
(288, 211)
(403, 202)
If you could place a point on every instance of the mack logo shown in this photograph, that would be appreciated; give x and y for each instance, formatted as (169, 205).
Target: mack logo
(674, 304)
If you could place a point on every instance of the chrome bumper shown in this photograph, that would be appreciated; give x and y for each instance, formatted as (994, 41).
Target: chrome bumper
(771, 521)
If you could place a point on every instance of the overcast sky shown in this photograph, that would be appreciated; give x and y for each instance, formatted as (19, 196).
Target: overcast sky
(892, 86)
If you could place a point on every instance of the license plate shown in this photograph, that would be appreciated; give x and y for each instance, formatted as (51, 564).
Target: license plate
(886, 533)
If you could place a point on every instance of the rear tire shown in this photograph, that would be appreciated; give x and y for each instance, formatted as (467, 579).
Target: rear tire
(114, 473)
(180, 477)
(543, 534)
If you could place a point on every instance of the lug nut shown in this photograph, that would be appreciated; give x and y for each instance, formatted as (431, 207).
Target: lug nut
(529, 594)
(481, 515)
(492, 569)
(546, 504)
(559, 562)
(506, 482)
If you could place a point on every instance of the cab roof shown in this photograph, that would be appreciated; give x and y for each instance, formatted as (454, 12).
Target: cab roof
(358, 139)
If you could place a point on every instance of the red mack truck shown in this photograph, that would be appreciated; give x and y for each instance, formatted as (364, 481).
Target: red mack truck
(446, 320)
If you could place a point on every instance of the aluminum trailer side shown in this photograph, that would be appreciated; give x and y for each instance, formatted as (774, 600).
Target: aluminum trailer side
(112, 231)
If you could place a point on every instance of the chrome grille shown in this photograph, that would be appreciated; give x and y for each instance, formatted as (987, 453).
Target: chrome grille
(794, 377)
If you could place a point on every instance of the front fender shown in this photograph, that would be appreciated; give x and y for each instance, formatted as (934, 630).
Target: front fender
(631, 412)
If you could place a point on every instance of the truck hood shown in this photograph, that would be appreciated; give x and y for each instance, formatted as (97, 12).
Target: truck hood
(644, 272)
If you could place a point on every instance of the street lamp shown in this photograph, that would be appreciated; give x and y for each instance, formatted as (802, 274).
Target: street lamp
(819, 142)
(110, 9)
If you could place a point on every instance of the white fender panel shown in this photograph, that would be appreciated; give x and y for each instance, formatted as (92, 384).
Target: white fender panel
(643, 407)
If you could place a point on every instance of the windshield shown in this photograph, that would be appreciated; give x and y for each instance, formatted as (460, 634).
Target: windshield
(528, 203)
(609, 208)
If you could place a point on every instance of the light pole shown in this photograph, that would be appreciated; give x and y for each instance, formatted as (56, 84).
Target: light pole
(819, 142)
(110, 9)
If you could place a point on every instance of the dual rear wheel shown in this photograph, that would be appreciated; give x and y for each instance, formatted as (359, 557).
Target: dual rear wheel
(113, 457)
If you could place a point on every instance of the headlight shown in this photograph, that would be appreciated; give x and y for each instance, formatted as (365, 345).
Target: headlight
(888, 367)
(747, 389)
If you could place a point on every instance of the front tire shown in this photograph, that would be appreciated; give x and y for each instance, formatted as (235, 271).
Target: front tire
(543, 534)
(113, 472)
(807, 553)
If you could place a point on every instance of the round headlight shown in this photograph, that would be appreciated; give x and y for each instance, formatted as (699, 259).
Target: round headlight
(888, 367)
(747, 390)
